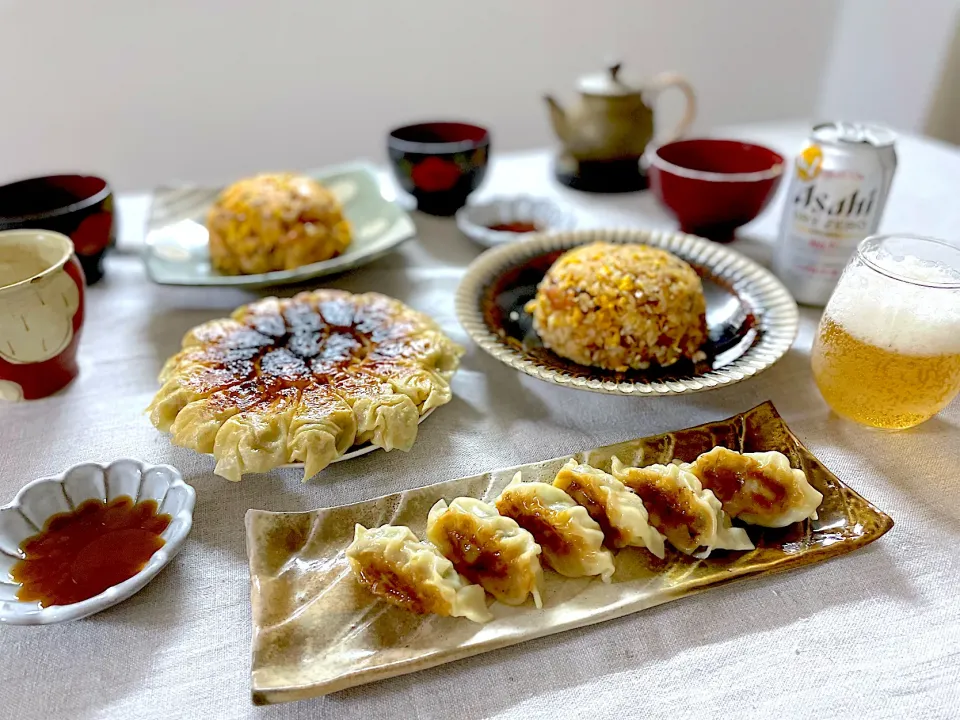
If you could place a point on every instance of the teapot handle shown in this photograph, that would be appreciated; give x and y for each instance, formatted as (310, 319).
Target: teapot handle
(671, 79)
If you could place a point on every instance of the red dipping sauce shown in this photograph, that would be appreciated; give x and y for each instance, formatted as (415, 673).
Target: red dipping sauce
(80, 554)
(514, 227)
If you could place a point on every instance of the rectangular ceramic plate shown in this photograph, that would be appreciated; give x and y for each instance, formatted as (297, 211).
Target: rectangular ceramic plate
(316, 631)
(176, 245)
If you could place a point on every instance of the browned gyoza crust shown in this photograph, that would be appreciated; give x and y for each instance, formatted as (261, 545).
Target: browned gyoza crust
(382, 579)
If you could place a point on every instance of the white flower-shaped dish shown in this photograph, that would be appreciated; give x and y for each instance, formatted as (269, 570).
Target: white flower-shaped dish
(37, 501)
(474, 221)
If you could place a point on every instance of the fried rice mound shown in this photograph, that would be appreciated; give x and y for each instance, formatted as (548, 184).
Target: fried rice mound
(276, 221)
(621, 307)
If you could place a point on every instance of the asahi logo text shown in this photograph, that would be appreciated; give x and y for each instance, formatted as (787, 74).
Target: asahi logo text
(856, 203)
(835, 214)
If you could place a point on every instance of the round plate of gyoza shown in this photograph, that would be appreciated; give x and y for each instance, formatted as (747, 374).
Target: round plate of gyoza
(310, 379)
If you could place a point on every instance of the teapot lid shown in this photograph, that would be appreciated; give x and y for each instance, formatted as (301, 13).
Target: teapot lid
(606, 84)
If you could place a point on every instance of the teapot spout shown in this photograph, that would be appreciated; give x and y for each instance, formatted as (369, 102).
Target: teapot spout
(558, 118)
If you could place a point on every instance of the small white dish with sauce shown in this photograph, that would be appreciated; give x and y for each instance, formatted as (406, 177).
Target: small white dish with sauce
(478, 221)
(40, 499)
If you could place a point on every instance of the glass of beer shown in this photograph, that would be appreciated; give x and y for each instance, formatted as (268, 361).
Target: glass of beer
(887, 352)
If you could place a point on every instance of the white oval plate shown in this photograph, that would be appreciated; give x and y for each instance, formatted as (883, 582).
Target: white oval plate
(176, 251)
(37, 501)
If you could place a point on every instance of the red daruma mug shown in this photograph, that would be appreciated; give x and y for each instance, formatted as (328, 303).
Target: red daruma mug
(41, 313)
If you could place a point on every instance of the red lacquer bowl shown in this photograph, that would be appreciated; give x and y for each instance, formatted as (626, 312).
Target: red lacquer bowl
(714, 186)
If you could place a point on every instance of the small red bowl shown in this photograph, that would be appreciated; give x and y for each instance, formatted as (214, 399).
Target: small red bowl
(714, 186)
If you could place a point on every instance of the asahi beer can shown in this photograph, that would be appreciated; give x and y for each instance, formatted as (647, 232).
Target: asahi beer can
(836, 197)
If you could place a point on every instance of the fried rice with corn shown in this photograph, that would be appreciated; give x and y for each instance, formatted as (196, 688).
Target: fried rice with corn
(621, 307)
(276, 221)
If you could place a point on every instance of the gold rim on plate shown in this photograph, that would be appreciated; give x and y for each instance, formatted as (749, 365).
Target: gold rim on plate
(773, 309)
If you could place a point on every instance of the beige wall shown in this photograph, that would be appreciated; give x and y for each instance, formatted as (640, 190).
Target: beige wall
(885, 61)
(892, 61)
(147, 92)
(943, 121)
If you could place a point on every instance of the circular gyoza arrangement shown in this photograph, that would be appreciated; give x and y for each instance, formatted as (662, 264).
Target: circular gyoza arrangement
(304, 379)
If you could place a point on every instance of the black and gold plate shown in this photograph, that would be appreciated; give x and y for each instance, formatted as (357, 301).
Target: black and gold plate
(751, 318)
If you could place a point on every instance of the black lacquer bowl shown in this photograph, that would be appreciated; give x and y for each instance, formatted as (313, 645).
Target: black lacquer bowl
(79, 206)
(439, 163)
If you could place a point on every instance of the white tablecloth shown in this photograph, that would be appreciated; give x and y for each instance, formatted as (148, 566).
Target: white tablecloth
(873, 634)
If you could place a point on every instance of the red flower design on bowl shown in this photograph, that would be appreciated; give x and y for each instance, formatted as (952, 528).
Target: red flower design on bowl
(93, 234)
(435, 174)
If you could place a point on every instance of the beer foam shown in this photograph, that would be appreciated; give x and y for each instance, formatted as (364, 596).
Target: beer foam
(897, 315)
